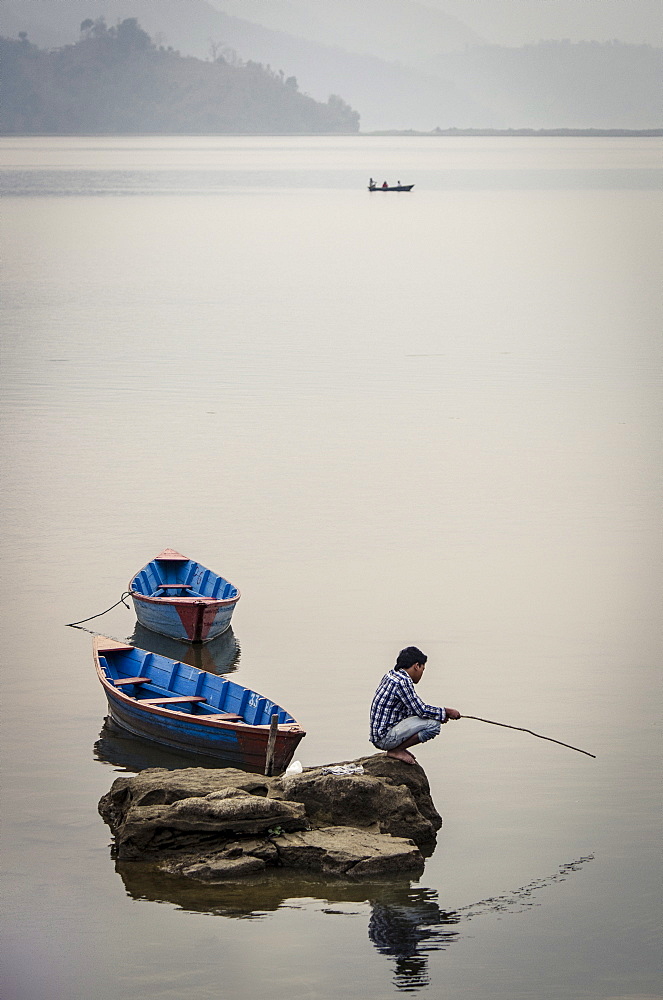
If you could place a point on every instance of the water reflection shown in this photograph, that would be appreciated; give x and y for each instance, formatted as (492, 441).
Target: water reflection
(405, 923)
(125, 752)
(220, 656)
(250, 898)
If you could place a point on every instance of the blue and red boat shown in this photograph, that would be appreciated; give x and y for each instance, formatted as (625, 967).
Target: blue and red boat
(181, 598)
(187, 709)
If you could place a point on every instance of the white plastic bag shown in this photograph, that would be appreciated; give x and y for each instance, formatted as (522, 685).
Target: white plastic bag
(343, 769)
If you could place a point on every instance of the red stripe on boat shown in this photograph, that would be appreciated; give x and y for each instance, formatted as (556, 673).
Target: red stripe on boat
(191, 620)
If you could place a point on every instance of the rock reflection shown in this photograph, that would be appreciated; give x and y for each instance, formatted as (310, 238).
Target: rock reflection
(405, 925)
(220, 656)
(252, 897)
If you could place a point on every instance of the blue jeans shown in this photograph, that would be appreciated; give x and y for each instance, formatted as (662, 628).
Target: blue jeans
(403, 730)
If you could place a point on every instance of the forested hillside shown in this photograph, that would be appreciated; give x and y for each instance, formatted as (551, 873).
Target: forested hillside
(115, 80)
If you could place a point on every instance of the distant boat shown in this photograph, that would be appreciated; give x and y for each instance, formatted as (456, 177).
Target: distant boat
(178, 706)
(175, 596)
(395, 187)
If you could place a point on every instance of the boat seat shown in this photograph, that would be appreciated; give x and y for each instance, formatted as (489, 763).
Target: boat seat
(226, 717)
(121, 681)
(175, 586)
(170, 701)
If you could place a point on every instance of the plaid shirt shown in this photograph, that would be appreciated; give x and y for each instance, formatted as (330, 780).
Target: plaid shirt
(396, 699)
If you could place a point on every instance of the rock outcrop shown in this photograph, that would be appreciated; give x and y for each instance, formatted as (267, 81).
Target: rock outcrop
(213, 825)
(391, 797)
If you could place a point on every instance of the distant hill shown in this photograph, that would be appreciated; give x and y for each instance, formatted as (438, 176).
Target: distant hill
(513, 23)
(115, 80)
(386, 95)
(562, 84)
(187, 25)
(441, 74)
(403, 31)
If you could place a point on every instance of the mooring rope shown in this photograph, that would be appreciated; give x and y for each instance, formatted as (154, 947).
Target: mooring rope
(538, 735)
(78, 624)
(104, 635)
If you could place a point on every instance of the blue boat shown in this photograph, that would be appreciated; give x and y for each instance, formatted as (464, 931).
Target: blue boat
(178, 706)
(175, 596)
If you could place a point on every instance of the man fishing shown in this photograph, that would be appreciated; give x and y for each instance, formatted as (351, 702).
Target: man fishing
(399, 718)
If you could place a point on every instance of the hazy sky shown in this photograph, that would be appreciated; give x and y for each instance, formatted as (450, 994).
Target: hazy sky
(516, 22)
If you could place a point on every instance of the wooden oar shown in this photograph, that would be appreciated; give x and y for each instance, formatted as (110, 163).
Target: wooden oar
(538, 735)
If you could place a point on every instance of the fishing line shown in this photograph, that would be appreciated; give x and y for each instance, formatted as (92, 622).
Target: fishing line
(521, 730)
(121, 601)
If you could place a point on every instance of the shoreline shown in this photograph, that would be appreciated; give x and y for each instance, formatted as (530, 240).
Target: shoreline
(525, 132)
(592, 133)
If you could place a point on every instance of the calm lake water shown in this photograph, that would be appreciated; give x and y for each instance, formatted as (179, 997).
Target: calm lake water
(429, 419)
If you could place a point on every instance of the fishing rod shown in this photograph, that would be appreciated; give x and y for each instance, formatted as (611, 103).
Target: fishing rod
(521, 730)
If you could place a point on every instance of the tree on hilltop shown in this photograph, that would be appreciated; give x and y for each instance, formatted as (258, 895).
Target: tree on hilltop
(116, 80)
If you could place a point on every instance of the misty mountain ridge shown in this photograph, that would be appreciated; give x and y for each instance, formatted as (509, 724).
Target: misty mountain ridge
(457, 84)
(402, 31)
(389, 95)
(406, 31)
(513, 23)
(116, 81)
(562, 84)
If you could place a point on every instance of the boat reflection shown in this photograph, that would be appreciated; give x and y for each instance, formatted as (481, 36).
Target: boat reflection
(405, 923)
(129, 753)
(220, 656)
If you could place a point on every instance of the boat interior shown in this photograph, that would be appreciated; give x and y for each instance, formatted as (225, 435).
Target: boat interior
(181, 578)
(154, 680)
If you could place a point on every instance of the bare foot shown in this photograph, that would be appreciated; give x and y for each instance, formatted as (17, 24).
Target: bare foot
(404, 755)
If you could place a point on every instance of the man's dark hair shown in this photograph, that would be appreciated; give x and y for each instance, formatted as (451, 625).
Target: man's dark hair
(408, 657)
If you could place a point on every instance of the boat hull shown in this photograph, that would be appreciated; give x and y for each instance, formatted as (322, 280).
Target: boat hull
(178, 706)
(179, 597)
(243, 748)
(184, 618)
